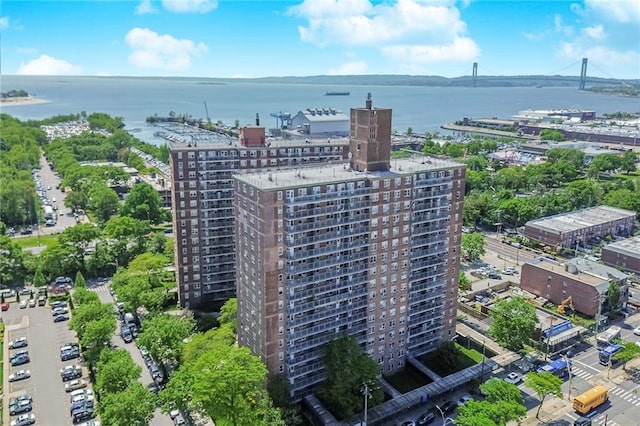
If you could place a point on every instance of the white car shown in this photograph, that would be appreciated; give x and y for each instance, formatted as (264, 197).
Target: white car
(20, 342)
(23, 420)
(513, 378)
(75, 385)
(465, 398)
(19, 375)
(636, 331)
(23, 304)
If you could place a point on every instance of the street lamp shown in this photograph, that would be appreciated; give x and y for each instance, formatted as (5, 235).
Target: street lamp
(367, 395)
(566, 358)
(482, 371)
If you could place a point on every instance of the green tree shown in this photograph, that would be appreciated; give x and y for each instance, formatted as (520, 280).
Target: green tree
(551, 135)
(103, 201)
(97, 336)
(12, 268)
(347, 369)
(544, 384)
(80, 282)
(613, 296)
(144, 203)
(484, 413)
(629, 351)
(230, 385)
(157, 243)
(77, 239)
(38, 278)
(623, 198)
(85, 313)
(83, 296)
(628, 162)
(514, 321)
(464, 283)
(115, 371)
(132, 406)
(472, 246)
(163, 336)
(228, 313)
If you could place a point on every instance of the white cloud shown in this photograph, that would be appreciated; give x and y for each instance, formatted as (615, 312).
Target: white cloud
(4, 22)
(190, 6)
(358, 22)
(350, 68)
(398, 28)
(600, 55)
(47, 65)
(624, 11)
(561, 27)
(27, 51)
(534, 36)
(596, 32)
(145, 7)
(152, 50)
(461, 49)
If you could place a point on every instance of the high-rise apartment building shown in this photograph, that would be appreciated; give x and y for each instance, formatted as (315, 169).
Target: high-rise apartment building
(202, 203)
(370, 248)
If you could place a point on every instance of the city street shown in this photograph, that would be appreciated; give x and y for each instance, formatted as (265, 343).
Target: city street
(50, 402)
(102, 290)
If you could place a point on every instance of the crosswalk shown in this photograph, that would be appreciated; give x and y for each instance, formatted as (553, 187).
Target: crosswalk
(581, 372)
(99, 289)
(597, 420)
(627, 395)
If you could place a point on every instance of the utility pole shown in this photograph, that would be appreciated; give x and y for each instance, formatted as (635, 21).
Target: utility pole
(367, 394)
(482, 371)
(570, 376)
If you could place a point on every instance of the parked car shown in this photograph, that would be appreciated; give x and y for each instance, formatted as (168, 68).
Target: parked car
(59, 311)
(513, 378)
(24, 420)
(19, 375)
(20, 359)
(447, 407)
(69, 352)
(20, 398)
(179, 420)
(426, 418)
(24, 291)
(19, 342)
(23, 304)
(61, 318)
(75, 385)
(20, 407)
(636, 331)
(81, 415)
(463, 400)
(4, 306)
(126, 334)
(32, 303)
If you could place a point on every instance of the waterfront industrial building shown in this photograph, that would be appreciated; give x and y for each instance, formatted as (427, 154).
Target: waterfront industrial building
(570, 230)
(202, 170)
(370, 247)
(327, 122)
(623, 254)
(585, 281)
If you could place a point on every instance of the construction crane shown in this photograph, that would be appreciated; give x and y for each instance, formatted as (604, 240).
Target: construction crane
(566, 303)
(281, 118)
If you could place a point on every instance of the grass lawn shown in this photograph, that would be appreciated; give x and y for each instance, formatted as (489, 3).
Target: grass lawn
(32, 241)
(471, 353)
(407, 380)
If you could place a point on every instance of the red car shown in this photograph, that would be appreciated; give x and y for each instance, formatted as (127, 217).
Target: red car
(4, 306)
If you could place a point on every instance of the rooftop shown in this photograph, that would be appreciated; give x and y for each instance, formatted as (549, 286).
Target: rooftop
(589, 272)
(629, 246)
(324, 114)
(341, 172)
(585, 218)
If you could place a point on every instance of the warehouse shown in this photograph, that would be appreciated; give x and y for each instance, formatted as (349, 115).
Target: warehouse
(321, 122)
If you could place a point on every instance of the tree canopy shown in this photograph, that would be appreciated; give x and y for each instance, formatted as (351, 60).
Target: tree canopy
(544, 384)
(514, 321)
(347, 369)
(472, 246)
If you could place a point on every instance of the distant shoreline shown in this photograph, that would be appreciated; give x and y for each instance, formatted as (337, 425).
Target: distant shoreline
(22, 100)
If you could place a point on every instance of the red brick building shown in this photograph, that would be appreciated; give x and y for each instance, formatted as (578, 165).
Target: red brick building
(585, 281)
(623, 254)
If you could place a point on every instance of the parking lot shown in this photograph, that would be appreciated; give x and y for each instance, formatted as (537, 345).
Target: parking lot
(51, 404)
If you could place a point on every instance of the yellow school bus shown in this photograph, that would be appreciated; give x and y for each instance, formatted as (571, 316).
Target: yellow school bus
(591, 399)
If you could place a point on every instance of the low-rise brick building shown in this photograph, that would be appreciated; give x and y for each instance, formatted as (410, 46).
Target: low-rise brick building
(581, 227)
(585, 281)
(623, 254)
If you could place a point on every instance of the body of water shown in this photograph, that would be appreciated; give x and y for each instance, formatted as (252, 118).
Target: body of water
(424, 109)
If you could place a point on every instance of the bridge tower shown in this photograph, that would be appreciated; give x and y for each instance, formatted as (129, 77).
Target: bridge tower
(474, 75)
(583, 74)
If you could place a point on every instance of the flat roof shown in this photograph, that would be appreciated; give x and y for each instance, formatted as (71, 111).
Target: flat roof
(579, 219)
(589, 272)
(628, 247)
(341, 172)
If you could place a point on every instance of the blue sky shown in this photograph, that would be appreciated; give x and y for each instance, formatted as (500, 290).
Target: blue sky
(242, 38)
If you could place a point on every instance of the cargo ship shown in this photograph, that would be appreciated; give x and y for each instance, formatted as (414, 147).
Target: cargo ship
(337, 94)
